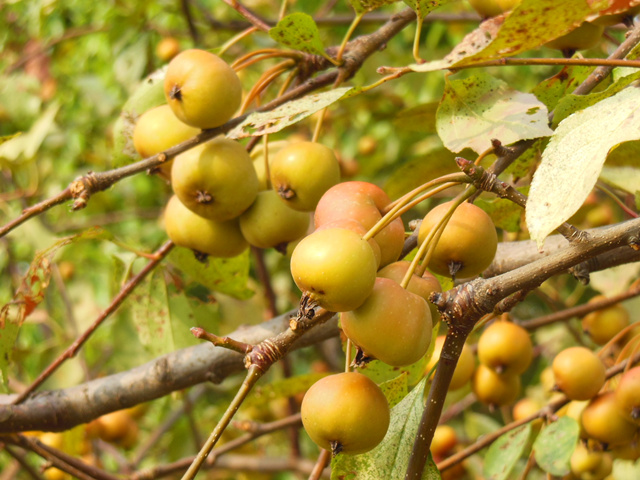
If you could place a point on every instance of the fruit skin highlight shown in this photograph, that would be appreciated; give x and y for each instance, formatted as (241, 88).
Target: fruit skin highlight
(336, 267)
(345, 413)
(467, 244)
(201, 89)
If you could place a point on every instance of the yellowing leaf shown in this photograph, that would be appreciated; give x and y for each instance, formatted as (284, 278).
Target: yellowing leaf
(364, 6)
(261, 123)
(574, 157)
(424, 7)
(475, 110)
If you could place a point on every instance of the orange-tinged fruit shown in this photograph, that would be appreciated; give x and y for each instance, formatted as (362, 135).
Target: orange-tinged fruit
(602, 420)
(464, 368)
(494, 389)
(627, 395)
(345, 413)
(579, 373)
(505, 347)
(603, 325)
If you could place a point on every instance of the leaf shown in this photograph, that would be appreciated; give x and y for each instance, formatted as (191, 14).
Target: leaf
(29, 295)
(504, 213)
(626, 469)
(26, 145)
(261, 123)
(551, 90)
(475, 41)
(624, 155)
(390, 459)
(529, 25)
(573, 103)
(478, 108)
(503, 454)
(395, 389)
(148, 94)
(555, 444)
(421, 118)
(300, 32)
(226, 275)
(624, 178)
(364, 6)
(424, 7)
(477, 424)
(574, 157)
(284, 388)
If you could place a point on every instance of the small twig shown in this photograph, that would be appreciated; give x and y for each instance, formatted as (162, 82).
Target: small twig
(193, 31)
(23, 463)
(323, 459)
(72, 350)
(224, 342)
(254, 19)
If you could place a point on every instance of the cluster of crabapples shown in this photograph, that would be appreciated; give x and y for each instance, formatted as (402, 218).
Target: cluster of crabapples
(221, 203)
(585, 36)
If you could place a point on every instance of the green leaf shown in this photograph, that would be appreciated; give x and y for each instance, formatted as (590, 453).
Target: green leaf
(477, 424)
(395, 389)
(555, 444)
(261, 123)
(226, 275)
(284, 388)
(574, 158)
(30, 294)
(476, 109)
(624, 155)
(24, 147)
(624, 178)
(504, 213)
(364, 6)
(300, 32)
(424, 7)
(503, 454)
(551, 90)
(573, 103)
(149, 94)
(390, 459)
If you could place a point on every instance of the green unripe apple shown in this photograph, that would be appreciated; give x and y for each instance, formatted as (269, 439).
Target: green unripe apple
(269, 223)
(467, 244)
(201, 89)
(393, 325)
(302, 172)
(345, 413)
(186, 229)
(336, 267)
(216, 179)
(157, 130)
(356, 227)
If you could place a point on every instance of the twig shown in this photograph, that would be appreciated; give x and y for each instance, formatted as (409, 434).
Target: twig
(254, 19)
(318, 468)
(193, 31)
(23, 463)
(72, 350)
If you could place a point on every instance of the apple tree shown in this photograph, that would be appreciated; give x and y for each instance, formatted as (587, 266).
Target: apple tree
(366, 239)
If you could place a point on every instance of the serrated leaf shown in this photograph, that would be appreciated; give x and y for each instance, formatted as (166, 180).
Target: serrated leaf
(574, 157)
(572, 103)
(29, 295)
(424, 7)
(478, 108)
(226, 275)
(365, 6)
(390, 459)
(503, 454)
(555, 444)
(261, 123)
(300, 32)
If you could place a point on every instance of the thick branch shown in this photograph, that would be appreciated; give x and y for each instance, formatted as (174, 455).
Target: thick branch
(63, 409)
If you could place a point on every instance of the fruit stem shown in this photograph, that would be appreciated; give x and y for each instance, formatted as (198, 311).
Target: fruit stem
(347, 362)
(345, 40)
(245, 33)
(253, 375)
(404, 204)
(416, 40)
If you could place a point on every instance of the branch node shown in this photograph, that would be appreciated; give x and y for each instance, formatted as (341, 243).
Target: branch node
(224, 342)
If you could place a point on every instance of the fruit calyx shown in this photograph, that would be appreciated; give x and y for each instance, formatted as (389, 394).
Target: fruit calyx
(175, 93)
(203, 197)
